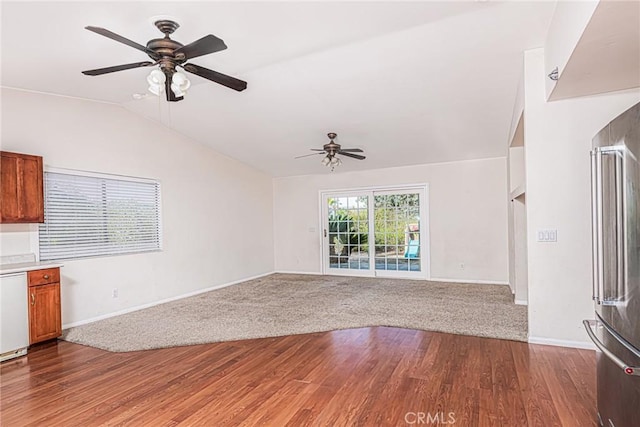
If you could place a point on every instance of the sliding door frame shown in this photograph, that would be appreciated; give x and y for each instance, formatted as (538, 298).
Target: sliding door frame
(324, 236)
(425, 234)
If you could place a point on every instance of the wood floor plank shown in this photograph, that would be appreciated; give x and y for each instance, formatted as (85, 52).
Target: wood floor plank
(538, 403)
(309, 412)
(568, 401)
(368, 376)
(153, 397)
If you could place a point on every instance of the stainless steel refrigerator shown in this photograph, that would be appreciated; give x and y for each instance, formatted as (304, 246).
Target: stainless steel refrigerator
(615, 173)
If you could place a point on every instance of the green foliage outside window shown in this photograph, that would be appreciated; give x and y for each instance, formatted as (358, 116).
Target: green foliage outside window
(348, 226)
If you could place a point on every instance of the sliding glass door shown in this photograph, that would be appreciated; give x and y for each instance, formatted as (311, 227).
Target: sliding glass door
(397, 232)
(375, 233)
(346, 233)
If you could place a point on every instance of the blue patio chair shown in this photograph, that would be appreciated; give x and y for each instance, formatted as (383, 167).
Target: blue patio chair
(413, 249)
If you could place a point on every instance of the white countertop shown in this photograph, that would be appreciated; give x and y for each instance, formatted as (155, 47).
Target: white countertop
(27, 266)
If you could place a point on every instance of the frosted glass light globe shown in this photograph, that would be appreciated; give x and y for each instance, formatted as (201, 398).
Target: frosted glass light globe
(180, 84)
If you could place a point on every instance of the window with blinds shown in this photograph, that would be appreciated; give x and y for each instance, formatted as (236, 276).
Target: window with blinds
(93, 215)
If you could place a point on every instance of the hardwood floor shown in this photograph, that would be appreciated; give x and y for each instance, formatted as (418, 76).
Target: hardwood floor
(370, 377)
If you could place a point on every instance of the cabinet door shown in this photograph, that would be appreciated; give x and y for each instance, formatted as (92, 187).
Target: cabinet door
(44, 312)
(21, 193)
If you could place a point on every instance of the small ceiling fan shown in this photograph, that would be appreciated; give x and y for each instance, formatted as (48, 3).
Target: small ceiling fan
(330, 151)
(170, 54)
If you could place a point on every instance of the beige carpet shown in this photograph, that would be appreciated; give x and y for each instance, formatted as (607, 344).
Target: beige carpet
(286, 304)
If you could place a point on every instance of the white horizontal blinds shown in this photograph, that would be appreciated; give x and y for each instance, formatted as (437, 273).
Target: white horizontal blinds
(88, 216)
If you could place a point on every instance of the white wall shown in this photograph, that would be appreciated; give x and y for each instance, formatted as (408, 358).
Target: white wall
(467, 221)
(216, 212)
(16, 238)
(557, 144)
(515, 175)
(520, 265)
(516, 168)
(517, 216)
(569, 21)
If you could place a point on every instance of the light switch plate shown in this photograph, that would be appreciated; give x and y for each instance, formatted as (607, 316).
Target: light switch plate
(548, 235)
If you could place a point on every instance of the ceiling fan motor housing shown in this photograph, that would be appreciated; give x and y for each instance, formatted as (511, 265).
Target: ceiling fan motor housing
(164, 47)
(331, 148)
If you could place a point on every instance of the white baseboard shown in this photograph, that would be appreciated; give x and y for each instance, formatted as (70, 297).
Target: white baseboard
(313, 273)
(562, 343)
(520, 302)
(432, 279)
(475, 282)
(151, 304)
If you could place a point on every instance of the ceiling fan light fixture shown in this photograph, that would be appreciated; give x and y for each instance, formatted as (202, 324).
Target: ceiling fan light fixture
(156, 80)
(331, 161)
(180, 84)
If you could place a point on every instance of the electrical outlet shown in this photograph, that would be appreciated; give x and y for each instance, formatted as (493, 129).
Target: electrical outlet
(114, 293)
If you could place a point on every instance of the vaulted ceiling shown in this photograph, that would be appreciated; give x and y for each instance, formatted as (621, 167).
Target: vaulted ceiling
(408, 82)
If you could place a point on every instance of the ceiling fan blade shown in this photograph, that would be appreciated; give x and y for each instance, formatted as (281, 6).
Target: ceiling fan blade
(171, 97)
(317, 149)
(307, 155)
(115, 68)
(355, 156)
(351, 150)
(214, 76)
(204, 46)
(119, 38)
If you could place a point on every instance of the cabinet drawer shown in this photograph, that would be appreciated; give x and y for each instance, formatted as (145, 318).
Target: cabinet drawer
(42, 277)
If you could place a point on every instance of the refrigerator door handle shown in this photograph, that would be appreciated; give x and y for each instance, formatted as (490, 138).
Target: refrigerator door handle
(598, 226)
(629, 370)
(620, 227)
(596, 209)
(600, 294)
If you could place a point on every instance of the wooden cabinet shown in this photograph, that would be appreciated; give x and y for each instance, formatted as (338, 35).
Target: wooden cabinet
(21, 192)
(45, 320)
